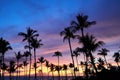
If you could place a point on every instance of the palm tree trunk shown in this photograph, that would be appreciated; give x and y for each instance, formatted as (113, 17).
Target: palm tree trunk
(35, 62)
(92, 61)
(82, 31)
(52, 75)
(26, 69)
(3, 70)
(66, 74)
(30, 61)
(10, 76)
(86, 67)
(41, 71)
(118, 64)
(72, 56)
(17, 69)
(106, 61)
(58, 69)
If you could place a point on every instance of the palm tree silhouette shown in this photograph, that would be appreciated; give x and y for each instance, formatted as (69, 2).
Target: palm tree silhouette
(26, 55)
(103, 52)
(12, 68)
(25, 67)
(65, 69)
(101, 64)
(68, 34)
(3, 67)
(90, 43)
(58, 54)
(52, 67)
(18, 57)
(41, 61)
(27, 37)
(81, 23)
(47, 65)
(4, 47)
(76, 54)
(71, 66)
(35, 44)
(117, 58)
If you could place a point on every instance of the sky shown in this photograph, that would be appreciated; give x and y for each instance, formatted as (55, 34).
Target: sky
(50, 17)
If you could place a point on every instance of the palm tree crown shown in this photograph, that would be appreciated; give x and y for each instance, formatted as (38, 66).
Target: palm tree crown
(82, 22)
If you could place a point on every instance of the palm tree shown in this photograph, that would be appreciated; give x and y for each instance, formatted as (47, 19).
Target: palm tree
(47, 65)
(3, 67)
(27, 37)
(82, 22)
(4, 47)
(12, 68)
(58, 54)
(71, 66)
(35, 44)
(26, 55)
(117, 58)
(25, 67)
(65, 69)
(18, 57)
(103, 52)
(41, 61)
(68, 34)
(90, 43)
(76, 54)
(52, 67)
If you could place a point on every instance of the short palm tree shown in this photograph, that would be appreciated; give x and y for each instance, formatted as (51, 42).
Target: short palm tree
(4, 47)
(25, 67)
(27, 37)
(68, 35)
(65, 69)
(117, 58)
(12, 68)
(35, 44)
(52, 67)
(18, 57)
(103, 52)
(26, 55)
(91, 44)
(41, 61)
(71, 66)
(58, 54)
(47, 65)
(76, 54)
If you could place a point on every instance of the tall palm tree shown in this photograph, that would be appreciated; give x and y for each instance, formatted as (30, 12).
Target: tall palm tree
(18, 57)
(103, 52)
(65, 69)
(81, 23)
(4, 47)
(27, 37)
(58, 54)
(41, 61)
(35, 44)
(91, 44)
(117, 58)
(68, 34)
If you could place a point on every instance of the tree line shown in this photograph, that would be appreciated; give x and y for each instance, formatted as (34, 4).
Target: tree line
(88, 45)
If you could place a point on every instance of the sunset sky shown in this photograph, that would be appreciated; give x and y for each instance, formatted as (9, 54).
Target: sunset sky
(50, 17)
